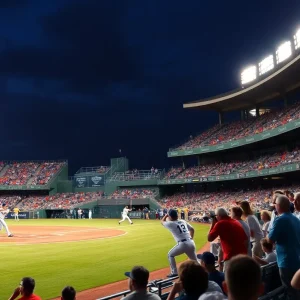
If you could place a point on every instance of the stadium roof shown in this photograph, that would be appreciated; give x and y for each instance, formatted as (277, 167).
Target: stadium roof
(281, 81)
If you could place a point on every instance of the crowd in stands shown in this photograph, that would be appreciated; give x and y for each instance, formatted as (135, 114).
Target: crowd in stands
(240, 129)
(136, 174)
(28, 173)
(132, 194)
(57, 201)
(173, 172)
(209, 201)
(267, 161)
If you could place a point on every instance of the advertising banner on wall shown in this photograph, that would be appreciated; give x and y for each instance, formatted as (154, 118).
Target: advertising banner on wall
(22, 215)
(96, 180)
(81, 182)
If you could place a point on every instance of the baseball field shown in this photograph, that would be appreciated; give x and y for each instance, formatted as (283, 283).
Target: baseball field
(82, 253)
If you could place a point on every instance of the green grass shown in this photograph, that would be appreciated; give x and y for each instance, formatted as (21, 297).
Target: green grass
(87, 264)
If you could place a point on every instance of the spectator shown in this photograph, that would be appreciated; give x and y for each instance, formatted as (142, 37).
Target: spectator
(138, 280)
(286, 234)
(243, 280)
(270, 255)
(255, 230)
(193, 282)
(297, 205)
(208, 261)
(68, 293)
(232, 236)
(25, 289)
(290, 195)
(237, 213)
(274, 212)
(266, 218)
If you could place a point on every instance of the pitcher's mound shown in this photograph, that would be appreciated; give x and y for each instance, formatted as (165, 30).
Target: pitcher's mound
(56, 234)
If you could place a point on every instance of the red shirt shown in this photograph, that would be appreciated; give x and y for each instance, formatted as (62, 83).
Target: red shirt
(31, 297)
(233, 238)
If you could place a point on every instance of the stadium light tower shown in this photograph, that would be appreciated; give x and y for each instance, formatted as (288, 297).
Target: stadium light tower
(297, 39)
(266, 65)
(249, 74)
(284, 51)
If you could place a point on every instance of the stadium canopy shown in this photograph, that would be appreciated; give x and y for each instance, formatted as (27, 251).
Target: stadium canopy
(284, 79)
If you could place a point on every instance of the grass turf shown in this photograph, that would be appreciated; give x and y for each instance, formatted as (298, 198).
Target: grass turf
(87, 264)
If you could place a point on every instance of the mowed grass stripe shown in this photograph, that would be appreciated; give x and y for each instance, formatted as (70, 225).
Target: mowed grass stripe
(87, 264)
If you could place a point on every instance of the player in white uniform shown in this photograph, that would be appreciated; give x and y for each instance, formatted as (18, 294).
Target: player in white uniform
(183, 234)
(125, 215)
(3, 212)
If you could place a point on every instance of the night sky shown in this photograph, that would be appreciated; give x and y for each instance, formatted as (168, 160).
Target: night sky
(82, 79)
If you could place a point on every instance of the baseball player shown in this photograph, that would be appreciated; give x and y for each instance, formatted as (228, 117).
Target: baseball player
(125, 215)
(16, 213)
(183, 234)
(3, 212)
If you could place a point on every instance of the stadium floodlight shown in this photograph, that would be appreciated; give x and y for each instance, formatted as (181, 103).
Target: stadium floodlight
(284, 51)
(248, 74)
(266, 65)
(297, 39)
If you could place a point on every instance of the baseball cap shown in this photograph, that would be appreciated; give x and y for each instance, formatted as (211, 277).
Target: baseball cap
(207, 257)
(173, 213)
(138, 274)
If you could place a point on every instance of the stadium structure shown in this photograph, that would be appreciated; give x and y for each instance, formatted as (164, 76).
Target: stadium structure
(260, 150)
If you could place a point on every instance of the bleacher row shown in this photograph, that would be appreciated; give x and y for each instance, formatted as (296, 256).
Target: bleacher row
(240, 129)
(267, 161)
(28, 173)
(200, 202)
(69, 200)
(260, 198)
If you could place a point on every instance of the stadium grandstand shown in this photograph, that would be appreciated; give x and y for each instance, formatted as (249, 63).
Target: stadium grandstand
(242, 160)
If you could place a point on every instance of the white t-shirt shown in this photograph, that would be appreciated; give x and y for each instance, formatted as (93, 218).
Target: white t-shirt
(270, 257)
(179, 229)
(247, 231)
(273, 216)
(297, 214)
(265, 228)
(125, 211)
(255, 227)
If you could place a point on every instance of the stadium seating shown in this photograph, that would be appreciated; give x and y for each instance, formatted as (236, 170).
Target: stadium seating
(278, 294)
(240, 129)
(271, 277)
(57, 201)
(205, 202)
(28, 173)
(133, 194)
(263, 162)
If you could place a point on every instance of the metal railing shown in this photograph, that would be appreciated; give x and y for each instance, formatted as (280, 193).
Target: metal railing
(100, 169)
(155, 287)
(136, 175)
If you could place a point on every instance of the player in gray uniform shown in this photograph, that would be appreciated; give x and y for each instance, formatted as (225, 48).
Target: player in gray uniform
(183, 234)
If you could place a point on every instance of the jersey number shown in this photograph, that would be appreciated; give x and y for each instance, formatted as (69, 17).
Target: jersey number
(182, 228)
